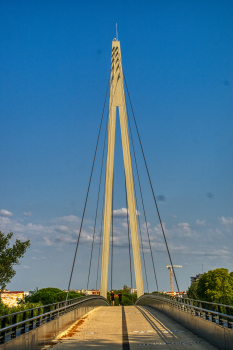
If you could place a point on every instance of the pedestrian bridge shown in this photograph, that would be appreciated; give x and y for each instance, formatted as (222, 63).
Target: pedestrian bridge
(155, 321)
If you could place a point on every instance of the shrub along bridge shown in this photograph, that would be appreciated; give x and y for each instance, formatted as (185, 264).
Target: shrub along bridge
(156, 320)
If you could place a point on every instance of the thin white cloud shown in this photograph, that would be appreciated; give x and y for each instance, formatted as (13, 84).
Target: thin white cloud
(62, 229)
(122, 213)
(174, 216)
(26, 267)
(27, 213)
(227, 222)
(219, 232)
(6, 213)
(69, 219)
(48, 242)
(201, 223)
(184, 229)
(144, 225)
(158, 228)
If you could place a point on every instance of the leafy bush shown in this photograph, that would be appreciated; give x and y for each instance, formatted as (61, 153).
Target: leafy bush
(41, 297)
(5, 310)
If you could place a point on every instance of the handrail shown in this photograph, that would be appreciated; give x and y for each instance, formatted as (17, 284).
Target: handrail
(44, 306)
(170, 297)
(185, 307)
(46, 316)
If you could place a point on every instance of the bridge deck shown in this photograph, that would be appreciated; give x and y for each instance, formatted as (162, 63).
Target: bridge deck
(131, 327)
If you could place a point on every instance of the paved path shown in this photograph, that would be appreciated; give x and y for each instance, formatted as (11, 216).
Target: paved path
(128, 328)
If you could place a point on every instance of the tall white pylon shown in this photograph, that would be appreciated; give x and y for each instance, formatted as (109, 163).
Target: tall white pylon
(117, 99)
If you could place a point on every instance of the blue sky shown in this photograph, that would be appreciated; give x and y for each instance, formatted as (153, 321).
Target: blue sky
(55, 62)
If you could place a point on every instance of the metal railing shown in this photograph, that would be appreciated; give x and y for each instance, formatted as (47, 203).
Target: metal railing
(18, 323)
(204, 309)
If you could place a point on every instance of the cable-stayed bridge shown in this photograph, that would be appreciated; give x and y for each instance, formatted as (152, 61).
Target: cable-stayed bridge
(156, 320)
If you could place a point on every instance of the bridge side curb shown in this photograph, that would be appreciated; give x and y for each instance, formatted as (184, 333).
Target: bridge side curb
(219, 336)
(37, 338)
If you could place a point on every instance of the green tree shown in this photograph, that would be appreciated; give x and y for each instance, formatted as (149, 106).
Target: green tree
(125, 288)
(9, 256)
(50, 296)
(192, 291)
(216, 286)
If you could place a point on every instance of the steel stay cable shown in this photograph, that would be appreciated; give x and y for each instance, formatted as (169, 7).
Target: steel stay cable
(90, 182)
(142, 247)
(136, 201)
(89, 185)
(140, 231)
(97, 206)
(148, 174)
(143, 206)
(138, 219)
(133, 184)
(101, 228)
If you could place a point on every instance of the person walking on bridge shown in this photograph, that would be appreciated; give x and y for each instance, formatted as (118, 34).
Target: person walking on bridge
(120, 298)
(112, 298)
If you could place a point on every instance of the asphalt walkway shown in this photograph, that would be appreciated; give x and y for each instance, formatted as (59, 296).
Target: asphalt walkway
(124, 328)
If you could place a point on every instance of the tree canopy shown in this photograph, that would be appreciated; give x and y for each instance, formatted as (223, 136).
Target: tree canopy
(215, 286)
(50, 296)
(9, 256)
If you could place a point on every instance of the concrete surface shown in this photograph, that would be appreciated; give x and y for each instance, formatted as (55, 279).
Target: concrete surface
(103, 328)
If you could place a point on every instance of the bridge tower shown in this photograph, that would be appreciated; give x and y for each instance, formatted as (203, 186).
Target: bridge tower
(117, 99)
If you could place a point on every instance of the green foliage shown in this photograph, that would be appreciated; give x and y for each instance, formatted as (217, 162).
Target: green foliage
(41, 297)
(9, 256)
(125, 288)
(192, 291)
(216, 286)
(127, 298)
(5, 310)
(50, 296)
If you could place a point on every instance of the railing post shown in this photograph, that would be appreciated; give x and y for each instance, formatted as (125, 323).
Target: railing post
(38, 319)
(49, 315)
(31, 322)
(43, 317)
(23, 330)
(3, 334)
(53, 314)
(13, 334)
(212, 315)
(206, 314)
(200, 305)
(229, 325)
(219, 316)
(196, 311)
